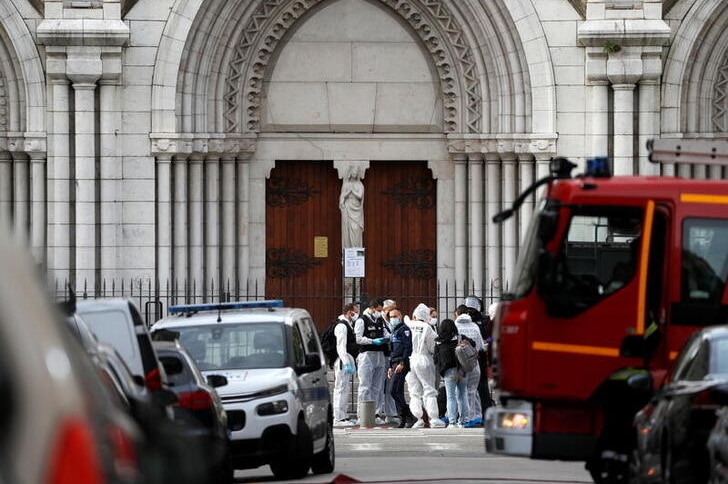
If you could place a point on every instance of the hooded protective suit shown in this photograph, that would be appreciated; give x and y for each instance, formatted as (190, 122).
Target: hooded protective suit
(422, 375)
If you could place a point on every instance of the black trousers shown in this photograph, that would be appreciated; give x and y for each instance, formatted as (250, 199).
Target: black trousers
(397, 392)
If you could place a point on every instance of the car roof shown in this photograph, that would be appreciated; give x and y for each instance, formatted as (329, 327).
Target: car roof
(101, 304)
(230, 313)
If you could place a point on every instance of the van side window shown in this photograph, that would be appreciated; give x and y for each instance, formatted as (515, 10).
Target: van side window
(298, 357)
(704, 260)
(309, 335)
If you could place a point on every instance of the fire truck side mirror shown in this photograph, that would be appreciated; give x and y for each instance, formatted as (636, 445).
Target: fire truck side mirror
(633, 346)
(547, 222)
(641, 381)
(545, 271)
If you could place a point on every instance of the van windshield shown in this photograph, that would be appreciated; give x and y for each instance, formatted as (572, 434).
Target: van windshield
(235, 346)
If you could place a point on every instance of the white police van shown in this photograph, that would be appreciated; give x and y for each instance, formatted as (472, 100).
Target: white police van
(277, 397)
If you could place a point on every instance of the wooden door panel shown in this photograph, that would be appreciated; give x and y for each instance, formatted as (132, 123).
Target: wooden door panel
(301, 209)
(400, 233)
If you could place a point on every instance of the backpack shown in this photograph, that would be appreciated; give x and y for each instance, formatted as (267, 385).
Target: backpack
(466, 354)
(328, 344)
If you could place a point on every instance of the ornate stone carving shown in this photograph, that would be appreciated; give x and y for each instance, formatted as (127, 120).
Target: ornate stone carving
(720, 98)
(417, 264)
(284, 192)
(281, 263)
(420, 194)
(430, 19)
(3, 104)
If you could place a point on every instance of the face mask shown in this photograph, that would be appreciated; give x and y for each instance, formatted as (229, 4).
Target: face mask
(433, 321)
(377, 314)
(355, 316)
(395, 321)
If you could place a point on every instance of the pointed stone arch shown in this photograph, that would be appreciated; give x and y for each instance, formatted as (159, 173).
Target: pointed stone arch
(695, 86)
(22, 95)
(433, 22)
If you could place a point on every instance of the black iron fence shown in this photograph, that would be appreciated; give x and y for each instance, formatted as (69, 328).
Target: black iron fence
(324, 303)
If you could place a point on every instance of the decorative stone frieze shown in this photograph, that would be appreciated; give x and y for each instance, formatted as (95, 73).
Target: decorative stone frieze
(515, 144)
(23, 142)
(430, 19)
(211, 144)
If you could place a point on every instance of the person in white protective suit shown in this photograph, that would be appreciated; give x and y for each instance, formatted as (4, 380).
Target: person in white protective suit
(344, 366)
(421, 377)
(466, 327)
(373, 340)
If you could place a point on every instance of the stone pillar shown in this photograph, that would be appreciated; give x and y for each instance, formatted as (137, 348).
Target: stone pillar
(60, 185)
(477, 229)
(510, 226)
(38, 216)
(649, 107)
(6, 190)
(526, 170)
(461, 220)
(110, 176)
(180, 275)
(21, 197)
(228, 224)
(598, 90)
(243, 224)
(493, 272)
(212, 226)
(163, 220)
(623, 129)
(196, 227)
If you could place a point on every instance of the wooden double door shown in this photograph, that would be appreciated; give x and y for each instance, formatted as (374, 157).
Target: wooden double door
(303, 236)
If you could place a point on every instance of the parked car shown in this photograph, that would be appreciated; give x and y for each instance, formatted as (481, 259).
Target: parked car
(672, 429)
(59, 425)
(118, 322)
(718, 440)
(169, 450)
(277, 397)
(199, 407)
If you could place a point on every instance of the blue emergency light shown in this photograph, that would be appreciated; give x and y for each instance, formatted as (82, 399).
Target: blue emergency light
(195, 308)
(598, 167)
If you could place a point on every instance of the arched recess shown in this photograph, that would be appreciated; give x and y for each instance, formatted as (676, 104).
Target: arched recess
(217, 76)
(695, 82)
(21, 71)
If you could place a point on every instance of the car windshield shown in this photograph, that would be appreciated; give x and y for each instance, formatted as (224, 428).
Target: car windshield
(235, 346)
(114, 328)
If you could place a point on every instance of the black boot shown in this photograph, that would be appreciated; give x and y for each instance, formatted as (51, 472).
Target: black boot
(409, 418)
(402, 420)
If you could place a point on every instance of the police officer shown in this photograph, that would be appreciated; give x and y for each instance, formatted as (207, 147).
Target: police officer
(399, 366)
(372, 337)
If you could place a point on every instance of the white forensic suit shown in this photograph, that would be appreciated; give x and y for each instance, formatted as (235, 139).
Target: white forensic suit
(422, 375)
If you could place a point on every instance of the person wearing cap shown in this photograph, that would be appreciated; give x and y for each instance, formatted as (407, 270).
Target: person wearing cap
(399, 364)
(422, 375)
(373, 338)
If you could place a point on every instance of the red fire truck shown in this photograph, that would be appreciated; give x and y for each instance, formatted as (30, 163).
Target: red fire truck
(614, 274)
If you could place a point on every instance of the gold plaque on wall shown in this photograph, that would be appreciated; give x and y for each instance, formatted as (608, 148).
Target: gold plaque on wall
(320, 246)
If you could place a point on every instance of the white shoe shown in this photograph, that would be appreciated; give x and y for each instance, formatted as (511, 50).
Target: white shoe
(378, 421)
(437, 424)
(344, 423)
(419, 424)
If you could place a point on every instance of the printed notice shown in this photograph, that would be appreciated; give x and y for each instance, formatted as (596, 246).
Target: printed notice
(320, 246)
(354, 262)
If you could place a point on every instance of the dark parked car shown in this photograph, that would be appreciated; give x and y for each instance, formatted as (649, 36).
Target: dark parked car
(199, 406)
(672, 429)
(718, 440)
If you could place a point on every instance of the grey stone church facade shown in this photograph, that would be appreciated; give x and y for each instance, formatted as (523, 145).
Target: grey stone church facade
(141, 138)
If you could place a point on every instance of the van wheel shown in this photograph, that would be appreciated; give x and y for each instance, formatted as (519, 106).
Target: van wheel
(296, 461)
(324, 461)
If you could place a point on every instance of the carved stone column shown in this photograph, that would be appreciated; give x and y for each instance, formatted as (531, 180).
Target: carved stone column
(461, 220)
(649, 107)
(228, 223)
(164, 223)
(196, 228)
(212, 224)
(510, 226)
(21, 199)
(598, 90)
(477, 229)
(493, 231)
(526, 168)
(38, 214)
(242, 169)
(180, 275)
(6, 189)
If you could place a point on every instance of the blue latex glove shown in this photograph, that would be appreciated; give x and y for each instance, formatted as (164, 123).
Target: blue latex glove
(378, 341)
(349, 369)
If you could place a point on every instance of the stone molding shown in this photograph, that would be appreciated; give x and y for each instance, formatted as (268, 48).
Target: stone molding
(343, 167)
(720, 98)
(538, 144)
(201, 143)
(28, 143)
(83, 32)
(438, 30)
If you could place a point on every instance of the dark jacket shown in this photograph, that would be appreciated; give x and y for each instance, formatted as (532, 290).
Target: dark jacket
(401, 346)
(445, 348)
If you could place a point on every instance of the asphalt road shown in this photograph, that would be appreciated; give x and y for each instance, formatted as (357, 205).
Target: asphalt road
(428, 455)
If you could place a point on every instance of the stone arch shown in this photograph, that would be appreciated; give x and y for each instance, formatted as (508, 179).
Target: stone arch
(695, 82)
(22, 94)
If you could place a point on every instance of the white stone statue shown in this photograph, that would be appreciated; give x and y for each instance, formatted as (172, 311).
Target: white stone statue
(351, 203)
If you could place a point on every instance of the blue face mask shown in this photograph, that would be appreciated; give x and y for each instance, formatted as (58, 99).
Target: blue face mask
(395, 322)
